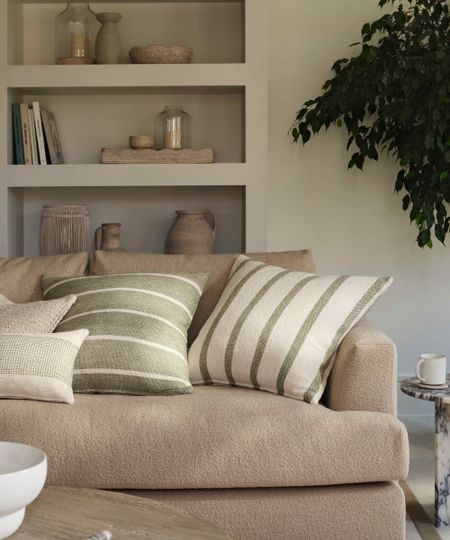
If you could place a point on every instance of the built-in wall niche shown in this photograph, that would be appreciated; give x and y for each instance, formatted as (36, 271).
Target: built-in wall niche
(214, 29)
(146, 213)
(90, 119)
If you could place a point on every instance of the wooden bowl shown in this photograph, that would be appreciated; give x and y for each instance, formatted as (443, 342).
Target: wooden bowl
(141, 141)
(157, 54)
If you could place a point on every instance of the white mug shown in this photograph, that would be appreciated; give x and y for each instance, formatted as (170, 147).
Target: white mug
(432, 368)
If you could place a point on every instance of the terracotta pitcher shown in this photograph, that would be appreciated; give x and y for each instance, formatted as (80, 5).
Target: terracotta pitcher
(107, 237)
(192, 233)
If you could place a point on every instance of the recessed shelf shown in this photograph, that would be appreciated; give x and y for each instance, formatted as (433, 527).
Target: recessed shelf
(141, 1)
(192, 76)
(146, 213)
(93, 118)
(34, 176)
(215, 30)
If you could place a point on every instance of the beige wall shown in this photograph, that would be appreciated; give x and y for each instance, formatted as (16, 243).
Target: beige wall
(351, 220)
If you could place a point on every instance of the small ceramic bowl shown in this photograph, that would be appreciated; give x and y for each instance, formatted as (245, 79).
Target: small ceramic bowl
(23, 470)
(157, 54)
(141, 141)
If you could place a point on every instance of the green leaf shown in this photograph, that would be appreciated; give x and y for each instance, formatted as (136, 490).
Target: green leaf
(424, 238)
(365, 29)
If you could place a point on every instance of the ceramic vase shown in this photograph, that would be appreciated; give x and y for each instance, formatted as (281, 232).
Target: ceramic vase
(64, 229)
(192, 233)
(107, 237)
(107, 44)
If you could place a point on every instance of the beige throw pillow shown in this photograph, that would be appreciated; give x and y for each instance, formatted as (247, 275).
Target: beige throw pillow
(39, 366)
(20, 278)
(35, 317)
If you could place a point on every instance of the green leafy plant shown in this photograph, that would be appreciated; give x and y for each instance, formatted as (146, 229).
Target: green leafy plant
(394, 97)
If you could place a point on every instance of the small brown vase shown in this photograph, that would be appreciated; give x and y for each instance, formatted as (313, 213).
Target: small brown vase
(192, 233)
(107, 237)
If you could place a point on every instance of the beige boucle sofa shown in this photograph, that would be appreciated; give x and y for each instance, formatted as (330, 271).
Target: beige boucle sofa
(258, 465)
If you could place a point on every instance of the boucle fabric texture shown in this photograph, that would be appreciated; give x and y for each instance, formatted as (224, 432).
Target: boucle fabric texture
(34, 317)
(216, 437)
(218, 267)
(20, 278)
(138, 325)
(278, 330)
(368, 512)
(39, 366)
(364, 375)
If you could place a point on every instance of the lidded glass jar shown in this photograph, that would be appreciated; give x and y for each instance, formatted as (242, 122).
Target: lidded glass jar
(173, 129)
(75, 34)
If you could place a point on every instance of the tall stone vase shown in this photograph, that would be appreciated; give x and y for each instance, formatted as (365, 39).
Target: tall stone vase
(107, 44)
(192, 233)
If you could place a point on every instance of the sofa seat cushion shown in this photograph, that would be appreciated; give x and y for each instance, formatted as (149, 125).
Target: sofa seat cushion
(217, 437)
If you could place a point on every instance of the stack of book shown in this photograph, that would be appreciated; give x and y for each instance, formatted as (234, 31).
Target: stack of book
(36, 139)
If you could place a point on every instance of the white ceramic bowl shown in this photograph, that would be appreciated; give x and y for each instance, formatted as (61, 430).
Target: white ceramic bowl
(23, 470)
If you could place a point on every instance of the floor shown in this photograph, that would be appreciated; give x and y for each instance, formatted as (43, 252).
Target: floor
(421, 472)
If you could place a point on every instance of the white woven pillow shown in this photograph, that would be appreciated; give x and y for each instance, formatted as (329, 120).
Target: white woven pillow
(40, 317)
(39, 366)
(278, 330)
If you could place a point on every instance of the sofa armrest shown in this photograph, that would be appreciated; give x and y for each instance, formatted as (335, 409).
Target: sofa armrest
(364, 375)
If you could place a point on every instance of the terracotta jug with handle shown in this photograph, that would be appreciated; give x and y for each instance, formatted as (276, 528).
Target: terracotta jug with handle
(192, 233)
(107, 237)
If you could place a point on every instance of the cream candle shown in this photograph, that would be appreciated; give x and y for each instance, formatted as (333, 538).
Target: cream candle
(80, 45)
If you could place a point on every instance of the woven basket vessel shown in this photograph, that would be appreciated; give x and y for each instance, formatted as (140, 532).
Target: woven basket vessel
(64, 229)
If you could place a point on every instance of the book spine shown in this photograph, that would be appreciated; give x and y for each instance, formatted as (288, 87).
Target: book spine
(39, 133)
(56, 140)
(17, 132)
(25, 133)
(34, 150)
(45, 116)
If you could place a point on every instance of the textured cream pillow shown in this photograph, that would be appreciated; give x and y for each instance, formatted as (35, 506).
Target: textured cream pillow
(35, 317)
(278, 330)
(39, 366)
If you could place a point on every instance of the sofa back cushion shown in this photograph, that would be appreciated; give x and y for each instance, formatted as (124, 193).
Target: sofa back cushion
(217, 266)
(20, 278)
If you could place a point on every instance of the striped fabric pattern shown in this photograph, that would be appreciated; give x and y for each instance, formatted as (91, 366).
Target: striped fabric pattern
(39, 366)
(137, 326)
(279, 330)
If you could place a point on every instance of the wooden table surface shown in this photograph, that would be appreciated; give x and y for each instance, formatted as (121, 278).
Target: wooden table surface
(76, 514)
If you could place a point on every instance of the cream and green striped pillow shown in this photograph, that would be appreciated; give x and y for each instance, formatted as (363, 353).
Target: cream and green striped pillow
(278, 330)
(138, 326)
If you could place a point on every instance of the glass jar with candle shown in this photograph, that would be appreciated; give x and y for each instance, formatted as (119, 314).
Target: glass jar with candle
(75, 34)
(173, 129)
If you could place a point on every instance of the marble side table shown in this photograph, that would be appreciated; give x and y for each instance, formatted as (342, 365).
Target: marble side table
(441, 400)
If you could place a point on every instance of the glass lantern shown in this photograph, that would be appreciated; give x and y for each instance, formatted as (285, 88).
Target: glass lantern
(173, 129)
(75, 34)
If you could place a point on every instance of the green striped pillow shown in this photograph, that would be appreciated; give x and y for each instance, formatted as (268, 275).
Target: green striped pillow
(138, 326)
(278, 330)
